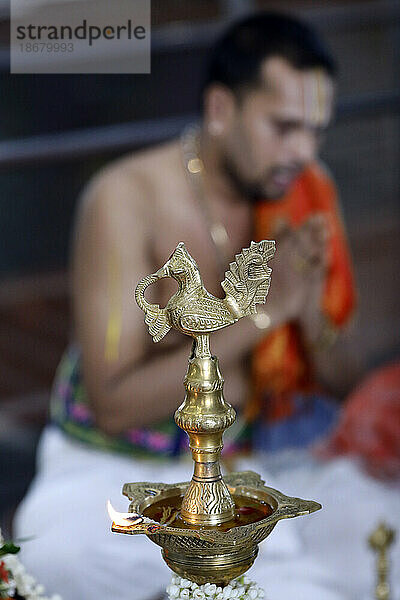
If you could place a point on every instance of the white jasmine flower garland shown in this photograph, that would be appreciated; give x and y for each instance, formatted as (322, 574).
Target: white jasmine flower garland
(26, 585)
(241, 588)
(19, 580)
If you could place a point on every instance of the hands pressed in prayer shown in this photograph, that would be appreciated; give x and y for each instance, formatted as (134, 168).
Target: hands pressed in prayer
(299, 267)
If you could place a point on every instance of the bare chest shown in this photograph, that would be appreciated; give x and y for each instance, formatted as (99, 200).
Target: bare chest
(183, 219)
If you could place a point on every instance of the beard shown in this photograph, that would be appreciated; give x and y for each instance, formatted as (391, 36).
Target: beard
(263, 188)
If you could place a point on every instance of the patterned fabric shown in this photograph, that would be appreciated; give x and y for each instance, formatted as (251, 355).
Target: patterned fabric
(71, 412)
(280, 366)
(280, 369)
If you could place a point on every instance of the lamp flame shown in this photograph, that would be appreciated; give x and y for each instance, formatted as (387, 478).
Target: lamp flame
(123, 519)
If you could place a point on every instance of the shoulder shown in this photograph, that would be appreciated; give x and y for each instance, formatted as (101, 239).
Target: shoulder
(127, 188)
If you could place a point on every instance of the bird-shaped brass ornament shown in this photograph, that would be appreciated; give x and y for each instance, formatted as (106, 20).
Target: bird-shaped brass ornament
(192, 309)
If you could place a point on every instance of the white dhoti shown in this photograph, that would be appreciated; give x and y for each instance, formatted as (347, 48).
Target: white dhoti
(319, 557)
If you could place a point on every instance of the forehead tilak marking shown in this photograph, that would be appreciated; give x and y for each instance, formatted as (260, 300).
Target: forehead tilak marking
(315, 98)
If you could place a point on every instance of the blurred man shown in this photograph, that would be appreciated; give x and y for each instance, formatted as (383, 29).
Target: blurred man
(248, 171)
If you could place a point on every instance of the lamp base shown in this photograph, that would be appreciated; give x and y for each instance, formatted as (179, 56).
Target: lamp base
(223, 567)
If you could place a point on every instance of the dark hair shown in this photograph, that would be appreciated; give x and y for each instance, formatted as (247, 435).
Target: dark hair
(236, 58)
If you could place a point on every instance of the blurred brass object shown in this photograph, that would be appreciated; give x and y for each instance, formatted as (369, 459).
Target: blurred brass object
(380, 540)
(198, 524)
(205, 554)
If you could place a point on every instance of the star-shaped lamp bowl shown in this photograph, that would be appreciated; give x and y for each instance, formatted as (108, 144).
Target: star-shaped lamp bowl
(215, 554)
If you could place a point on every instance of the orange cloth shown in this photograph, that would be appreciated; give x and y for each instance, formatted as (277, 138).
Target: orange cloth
(280, 365)
(369, 424)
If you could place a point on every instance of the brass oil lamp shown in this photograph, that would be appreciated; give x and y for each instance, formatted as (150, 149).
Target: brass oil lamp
(208, 528)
